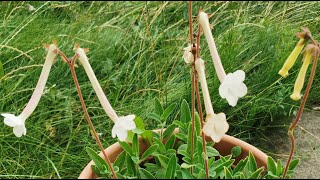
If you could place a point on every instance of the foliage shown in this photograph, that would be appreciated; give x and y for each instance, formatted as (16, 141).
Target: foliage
(167, 159)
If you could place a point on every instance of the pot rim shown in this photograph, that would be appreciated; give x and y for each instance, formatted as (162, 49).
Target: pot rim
(115, 149)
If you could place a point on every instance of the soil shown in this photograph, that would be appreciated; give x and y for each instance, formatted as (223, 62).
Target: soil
(307, 145)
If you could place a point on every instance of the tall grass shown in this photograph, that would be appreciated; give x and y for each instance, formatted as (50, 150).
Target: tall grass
(136, 52)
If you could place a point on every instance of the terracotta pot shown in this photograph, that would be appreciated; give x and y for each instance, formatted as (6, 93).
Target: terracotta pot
(224, 147)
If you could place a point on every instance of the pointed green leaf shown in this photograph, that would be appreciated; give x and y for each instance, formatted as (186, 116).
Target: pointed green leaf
(139, 123)
(279, 167)
(121, 159)
(158, 109)
(227, 173)
(135, 145)
(170, 142)
(171, 169)
(149, 151)
(256, 174)
(167, 112)
(100, 163)
(126, 147)
(271, 165)
(293, 164)
(185, 116)
(211, 152)
(197, 123)
(252, 163)
(145, 174)
(155, 117)
(167, 133)
(186, 174)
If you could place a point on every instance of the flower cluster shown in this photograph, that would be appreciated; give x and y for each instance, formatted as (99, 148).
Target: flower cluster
(309, 53)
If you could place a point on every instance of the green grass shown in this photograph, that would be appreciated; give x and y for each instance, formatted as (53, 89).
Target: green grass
(136, 52)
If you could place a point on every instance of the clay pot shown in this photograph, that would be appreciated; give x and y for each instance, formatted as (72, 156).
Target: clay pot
(224, 147)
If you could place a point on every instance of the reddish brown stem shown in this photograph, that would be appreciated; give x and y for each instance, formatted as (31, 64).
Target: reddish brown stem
(303, 102)
(202, 134)
(192, 86)
(74, 76)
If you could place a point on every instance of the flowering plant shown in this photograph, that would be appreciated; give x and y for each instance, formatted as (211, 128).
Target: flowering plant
(182, 148)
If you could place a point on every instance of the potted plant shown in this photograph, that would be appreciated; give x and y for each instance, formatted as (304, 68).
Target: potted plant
(191, 147)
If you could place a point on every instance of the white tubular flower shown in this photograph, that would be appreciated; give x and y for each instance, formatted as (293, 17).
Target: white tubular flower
(18, 122)
(95, 84)
(122, 126)
(232, 88)
(204, 23)
(216, 124)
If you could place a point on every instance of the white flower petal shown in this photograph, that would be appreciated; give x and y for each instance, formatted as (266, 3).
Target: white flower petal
(232, 88)
(221, 123)
(19, 130)
(122, 126)
(239, 75)
(122, 135)
(232, 99)
(223, 91)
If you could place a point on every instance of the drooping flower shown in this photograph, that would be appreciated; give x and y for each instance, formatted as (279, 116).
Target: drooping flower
(307, 59)
(18, 122)
(216, 124)
(232, 88)
(122, 126)
(304, 37)
(205, 25)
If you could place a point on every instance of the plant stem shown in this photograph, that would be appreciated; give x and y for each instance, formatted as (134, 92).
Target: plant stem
(192, 86)
(74, 76)
(303, 102)
(202, 133)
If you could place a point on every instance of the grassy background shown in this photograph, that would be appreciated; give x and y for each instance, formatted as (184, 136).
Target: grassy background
(136, 53)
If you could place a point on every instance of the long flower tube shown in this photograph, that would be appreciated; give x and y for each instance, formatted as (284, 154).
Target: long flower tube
(18, 122)
(307, 59)
(122, 124)
(232, 87)
(204, 23)
(304, 37)
(216, 124)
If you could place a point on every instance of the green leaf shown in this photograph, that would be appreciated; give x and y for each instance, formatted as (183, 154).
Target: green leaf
(1, 70)
(172, 166)
(100, 163)
(271, 175)
(279, 167)
(158, 109)
(149, 152)
(167, 133)
(139, 123)
(211, 152)
(163, 160)
(135, 145)
(126, 147)
(167, 112)
(227, 173)
(271, 165)
(162, 148)
(186, 174)
(178, 123)
(155, 117)
(160, 174)
(170, 142)
(293, 164)
(197, 123)
(256, 174)
(145, 174)
(199, 150)
(185, 116)
(181, 136)
(240, 166)
(135, 159)
(201, 174)
(252, 162)
(121, 159)
(130, 166)
(236, 151)
(147, 135)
